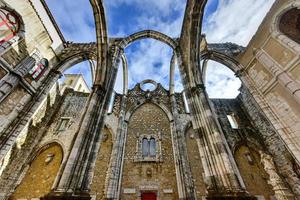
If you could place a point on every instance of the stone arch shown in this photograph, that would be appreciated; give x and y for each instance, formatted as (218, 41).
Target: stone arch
(226, 60)
(275, 27)
(148, 34)
(110, 129)
(252, 171)
(158, 104)
(20, 33)
(41, 173)
(74, 54)
(102, 40)
(119, 47)
(190, 41)
(46, 146)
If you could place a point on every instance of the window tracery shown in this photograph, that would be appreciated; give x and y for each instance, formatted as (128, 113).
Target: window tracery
(9, 25)
(38, 70)
(148, 148)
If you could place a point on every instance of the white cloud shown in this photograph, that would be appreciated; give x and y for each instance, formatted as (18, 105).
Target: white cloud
(234, 21)
(76, 23)
(221, 82)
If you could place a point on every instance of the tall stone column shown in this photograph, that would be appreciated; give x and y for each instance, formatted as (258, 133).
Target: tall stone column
(183, 171)
(8, 83)
(220, 174)
(114, 175)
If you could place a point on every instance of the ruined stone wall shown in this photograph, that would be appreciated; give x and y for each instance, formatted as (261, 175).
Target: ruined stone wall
(71, 109)
(40, 133)
(158, 176)
(33, 37)
(273, 143)
(241, 141)
(246, 133)
(271, 64)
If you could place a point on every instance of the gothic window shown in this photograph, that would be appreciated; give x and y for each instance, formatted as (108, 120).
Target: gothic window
(63, 124)
(111, 103)
(186, 106)
(289, 24)
(38, 70)
(145, 147)
(9, 25)
(149, 147)
(79, 87)
(233, 121)
(152, 147)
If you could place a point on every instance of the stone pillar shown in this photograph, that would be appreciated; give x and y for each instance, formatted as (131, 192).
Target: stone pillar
(183, 171)
(221, 177)
(114, 174)
(8, 83)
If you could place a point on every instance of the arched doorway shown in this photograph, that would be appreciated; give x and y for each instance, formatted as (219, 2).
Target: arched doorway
(41, 173)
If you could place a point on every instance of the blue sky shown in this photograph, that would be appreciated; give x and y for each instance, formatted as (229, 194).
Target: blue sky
(151, 59)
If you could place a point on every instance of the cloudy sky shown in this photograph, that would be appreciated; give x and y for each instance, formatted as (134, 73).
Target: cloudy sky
(225, 21)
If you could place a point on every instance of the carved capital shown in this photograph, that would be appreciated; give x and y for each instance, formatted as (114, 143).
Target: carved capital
(239, 73)
(198, 88)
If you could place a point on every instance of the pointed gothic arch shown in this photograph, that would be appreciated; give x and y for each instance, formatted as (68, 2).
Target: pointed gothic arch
(102, 40)
(119, 46)
(158, 104)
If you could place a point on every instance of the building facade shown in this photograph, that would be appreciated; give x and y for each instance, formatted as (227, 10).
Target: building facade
(66, 141)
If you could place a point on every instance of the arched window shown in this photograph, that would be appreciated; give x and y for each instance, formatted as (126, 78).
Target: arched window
(9, 25)
(38, 70)
(152, 149)
(145, 147)
(289, 24)
(149, 147)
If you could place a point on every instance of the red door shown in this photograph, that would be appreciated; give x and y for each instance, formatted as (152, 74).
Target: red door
(148, 196)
